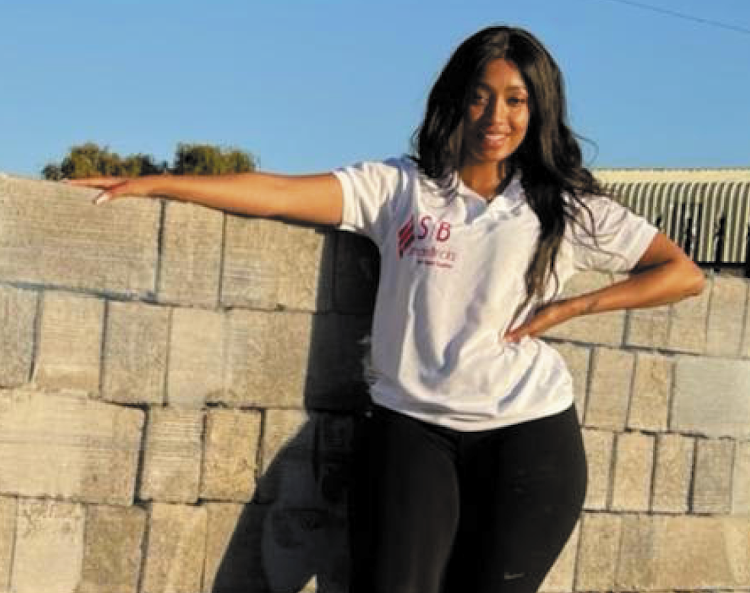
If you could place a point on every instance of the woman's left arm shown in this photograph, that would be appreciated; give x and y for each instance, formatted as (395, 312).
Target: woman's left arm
(663, 275)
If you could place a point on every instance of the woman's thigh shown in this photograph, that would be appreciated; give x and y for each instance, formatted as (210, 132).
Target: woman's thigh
(522, 493)
(404, 506)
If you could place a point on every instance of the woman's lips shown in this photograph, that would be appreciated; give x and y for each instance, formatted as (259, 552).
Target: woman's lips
(493, 139)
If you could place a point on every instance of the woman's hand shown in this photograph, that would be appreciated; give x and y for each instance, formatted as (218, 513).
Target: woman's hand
(544, 318)
(114, 187)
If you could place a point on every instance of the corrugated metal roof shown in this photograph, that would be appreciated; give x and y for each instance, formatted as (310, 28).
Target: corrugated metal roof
(706, 211)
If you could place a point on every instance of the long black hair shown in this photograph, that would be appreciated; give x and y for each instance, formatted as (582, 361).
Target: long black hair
(549, 157)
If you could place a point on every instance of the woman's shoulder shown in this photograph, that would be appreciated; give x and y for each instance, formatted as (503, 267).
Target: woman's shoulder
(392, 170)
(401, 163)
(588, 203)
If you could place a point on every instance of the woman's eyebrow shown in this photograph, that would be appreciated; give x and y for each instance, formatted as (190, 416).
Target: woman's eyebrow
(481, 85)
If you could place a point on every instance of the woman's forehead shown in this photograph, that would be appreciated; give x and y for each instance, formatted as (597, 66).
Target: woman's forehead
(501, 73)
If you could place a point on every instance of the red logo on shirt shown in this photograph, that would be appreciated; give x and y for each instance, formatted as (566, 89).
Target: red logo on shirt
(405, 236)
(428, 235)
(438, 230)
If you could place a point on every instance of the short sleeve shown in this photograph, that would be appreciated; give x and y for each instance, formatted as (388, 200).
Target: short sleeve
(369, 189)
(620, 237)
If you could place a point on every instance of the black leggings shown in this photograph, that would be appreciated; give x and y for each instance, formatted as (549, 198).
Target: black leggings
(434, 510)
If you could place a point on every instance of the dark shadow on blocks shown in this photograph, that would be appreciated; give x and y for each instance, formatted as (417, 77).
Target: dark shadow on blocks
(293, 535)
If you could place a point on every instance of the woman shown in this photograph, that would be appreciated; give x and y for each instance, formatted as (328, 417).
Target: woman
(473, 471)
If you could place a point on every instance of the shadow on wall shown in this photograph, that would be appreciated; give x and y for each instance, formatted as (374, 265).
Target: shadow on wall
(294, 530)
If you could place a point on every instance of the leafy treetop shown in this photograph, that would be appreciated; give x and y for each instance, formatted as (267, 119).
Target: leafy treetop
(91, 160)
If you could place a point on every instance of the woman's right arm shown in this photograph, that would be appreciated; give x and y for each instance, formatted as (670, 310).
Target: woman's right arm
(316, 199)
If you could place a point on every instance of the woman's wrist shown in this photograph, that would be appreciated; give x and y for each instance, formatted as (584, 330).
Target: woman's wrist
(151, 185)
(582, 304)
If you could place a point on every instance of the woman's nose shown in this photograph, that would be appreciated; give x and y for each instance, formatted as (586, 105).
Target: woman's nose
(497, 111)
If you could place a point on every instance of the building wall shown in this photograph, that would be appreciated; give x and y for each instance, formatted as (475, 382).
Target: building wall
(176, 396)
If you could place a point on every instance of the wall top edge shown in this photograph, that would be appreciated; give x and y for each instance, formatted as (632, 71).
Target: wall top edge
(605, 174)
(673, 175)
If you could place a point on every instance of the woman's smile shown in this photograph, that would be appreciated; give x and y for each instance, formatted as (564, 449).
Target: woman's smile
(492, 140)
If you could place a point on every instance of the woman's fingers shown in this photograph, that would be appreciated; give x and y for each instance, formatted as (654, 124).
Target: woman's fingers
(531, 327)
(517, 334)
(105, 196)
(543, 319)
(112, 186)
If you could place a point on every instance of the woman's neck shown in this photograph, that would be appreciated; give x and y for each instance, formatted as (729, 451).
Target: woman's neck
(485, 179)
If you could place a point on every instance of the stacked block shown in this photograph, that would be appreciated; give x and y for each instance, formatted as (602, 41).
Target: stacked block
(178, 388)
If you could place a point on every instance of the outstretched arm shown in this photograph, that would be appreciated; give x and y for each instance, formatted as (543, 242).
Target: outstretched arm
(663, 275)
(310, 198)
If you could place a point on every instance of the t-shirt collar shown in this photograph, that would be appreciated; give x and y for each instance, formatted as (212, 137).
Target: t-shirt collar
(503, 200)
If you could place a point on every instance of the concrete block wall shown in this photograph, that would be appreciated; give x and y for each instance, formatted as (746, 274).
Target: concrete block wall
(176, 396)
(664, 397)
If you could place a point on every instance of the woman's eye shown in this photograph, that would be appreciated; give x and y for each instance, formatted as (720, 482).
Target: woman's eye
(479, 99)
(515, 101)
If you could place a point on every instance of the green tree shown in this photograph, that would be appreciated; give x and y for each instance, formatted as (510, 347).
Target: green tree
(137, 165)
(52, 172)
(204, 159)
(90, 160)
(85, 160)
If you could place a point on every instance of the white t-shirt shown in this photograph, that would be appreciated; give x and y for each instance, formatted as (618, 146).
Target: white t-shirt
(451, 279)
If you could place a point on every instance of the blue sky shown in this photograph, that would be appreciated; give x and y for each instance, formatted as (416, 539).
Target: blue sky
(308, 85)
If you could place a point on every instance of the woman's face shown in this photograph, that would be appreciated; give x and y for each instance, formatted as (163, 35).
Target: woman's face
(497, 116)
